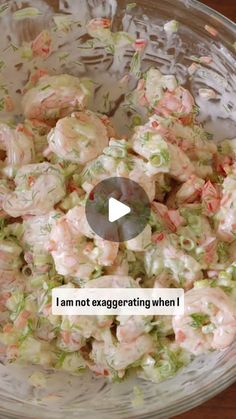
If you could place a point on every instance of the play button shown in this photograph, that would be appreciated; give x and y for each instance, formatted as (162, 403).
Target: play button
(117, 209)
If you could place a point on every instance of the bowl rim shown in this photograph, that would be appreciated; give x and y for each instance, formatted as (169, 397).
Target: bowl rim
(224, 382)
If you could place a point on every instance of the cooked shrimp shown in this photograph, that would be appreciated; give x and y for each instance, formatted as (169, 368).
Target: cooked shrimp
(119, 356)
(171, 219)
(163, 157)
(54, 97)
(211, 197)
(70, 340)
(190, 191)
(172, 263)
(19, 148)
(131, 327)
(108, 251)
(38, 188)
(181, 167)
(67, 249)
(193, 139)
(72, 253)
(150, 145)
(75, 137)
(77, 220)
(88, 326)
(140, 242)
(179, 103)
(117, 162)
(209, 321)
(128, 353)
(140, 174)
(152, 89)
(37, 229)
(226, 215)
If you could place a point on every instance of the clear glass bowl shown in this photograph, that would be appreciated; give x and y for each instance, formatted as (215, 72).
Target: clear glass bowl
(85, 396)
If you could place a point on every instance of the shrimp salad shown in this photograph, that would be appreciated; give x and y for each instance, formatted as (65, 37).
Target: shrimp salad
(49, 164)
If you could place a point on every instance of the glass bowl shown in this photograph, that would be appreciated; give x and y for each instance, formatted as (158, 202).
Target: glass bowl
(85, 396)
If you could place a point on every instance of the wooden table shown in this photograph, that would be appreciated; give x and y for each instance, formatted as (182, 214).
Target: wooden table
(226, 7)
(222, 406)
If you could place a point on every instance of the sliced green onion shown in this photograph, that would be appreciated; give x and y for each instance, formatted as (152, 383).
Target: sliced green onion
(171, 27)
(27, 271)
(135, 64)
(136, 120)
(3, 8)
(186, 244)
(156, 160)
(26, 12)
(202, 283)
(42, 259)
(160, 159)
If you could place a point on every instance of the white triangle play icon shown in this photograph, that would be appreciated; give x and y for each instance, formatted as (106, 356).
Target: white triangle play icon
(116, 210)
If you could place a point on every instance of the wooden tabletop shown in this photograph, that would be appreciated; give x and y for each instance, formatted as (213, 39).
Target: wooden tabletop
(226, 7)
(222, 406)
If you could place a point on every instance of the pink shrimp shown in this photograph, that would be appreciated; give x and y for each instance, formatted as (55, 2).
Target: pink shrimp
(211, 198)
(70, 340)
(54, 97)
(210, 250)
(108, 251)
(119, 356)
(74, 137)
(171, 218)
(180, 102)
(18, 145)
(226, 214)
(131, 327)
(209, 321)
(190, 191)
